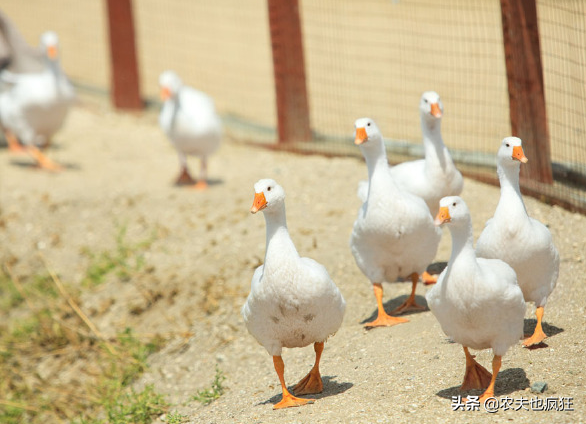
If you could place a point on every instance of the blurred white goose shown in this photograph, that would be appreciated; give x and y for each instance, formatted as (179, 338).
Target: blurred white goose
(394, 235)
(519, 240)
(477, 301)
(293, 302)
(36, 104)
(189, 119)
(435, 176)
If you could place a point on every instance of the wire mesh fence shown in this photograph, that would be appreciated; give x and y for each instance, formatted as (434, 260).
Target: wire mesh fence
(369, 58)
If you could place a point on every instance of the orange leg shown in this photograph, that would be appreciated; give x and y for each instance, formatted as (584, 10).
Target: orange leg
(288, 399)
(383, 319)
(476, 376)
(410, 304)
(428, 278)
(203, 175)
(538, 335)
(311, 383)
(13, 144)
(43, 161)
(489, 392)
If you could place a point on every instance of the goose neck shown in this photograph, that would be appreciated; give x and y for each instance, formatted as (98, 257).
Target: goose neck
(510, 191)
(279, 243)
(462, 243)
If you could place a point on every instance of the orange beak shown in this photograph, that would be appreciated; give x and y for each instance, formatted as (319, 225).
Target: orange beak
(259, 203)
(519, 155)
(165, 93)
(443, 216)
(52, 52)
(435, 110)
(361, 136)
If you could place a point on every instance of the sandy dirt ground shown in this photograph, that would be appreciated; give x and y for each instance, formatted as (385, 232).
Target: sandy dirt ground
(205, 248)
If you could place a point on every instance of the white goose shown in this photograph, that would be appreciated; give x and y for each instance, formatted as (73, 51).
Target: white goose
(521, 241)
(477, 301)
(293, 302)
(435, 176)
(36, 105)
(394, 235)
(188, 117)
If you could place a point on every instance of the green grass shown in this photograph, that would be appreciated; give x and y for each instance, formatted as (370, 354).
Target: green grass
(125, 260)
(37, 323)
(176, 418)
(207, 396)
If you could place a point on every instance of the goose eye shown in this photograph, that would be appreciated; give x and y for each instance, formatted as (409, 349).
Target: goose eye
(368, 124)
(508, 145)
(454, 204)
(269, 188)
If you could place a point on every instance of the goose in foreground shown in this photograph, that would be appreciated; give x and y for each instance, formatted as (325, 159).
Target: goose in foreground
(293, 302)
(393, 235)
(477, 301)
(35, 105)
(188, 117)
(519, 240)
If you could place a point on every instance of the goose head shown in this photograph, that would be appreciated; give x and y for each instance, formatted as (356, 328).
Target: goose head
(367, 133)
(50, 45)
(511, 152)
(268, 196)
(430, 106)
(453, 211)
(170, 84)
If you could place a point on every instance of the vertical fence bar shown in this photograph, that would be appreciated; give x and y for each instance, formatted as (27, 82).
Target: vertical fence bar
(526, 91)
(125, 91)
(289, 71)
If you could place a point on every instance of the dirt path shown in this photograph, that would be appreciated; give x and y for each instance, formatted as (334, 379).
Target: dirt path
(204, 249)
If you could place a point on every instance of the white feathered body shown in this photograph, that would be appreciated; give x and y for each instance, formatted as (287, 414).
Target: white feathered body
(394, 235)
(293, 302)
(190, 121)
(35, 105)
(525, 244)
(479, 304)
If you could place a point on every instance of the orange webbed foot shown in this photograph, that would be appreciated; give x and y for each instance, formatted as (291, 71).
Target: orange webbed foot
(428, 278)
(201, 185)
(408, 305)
(537, 337)
(290, 401)
(476, 376)
(184, 178)
(310, 384)
(384, 320)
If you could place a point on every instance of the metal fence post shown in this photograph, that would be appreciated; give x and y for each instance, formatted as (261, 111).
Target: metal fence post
(125, 91)
(526, 91)
(289, 71)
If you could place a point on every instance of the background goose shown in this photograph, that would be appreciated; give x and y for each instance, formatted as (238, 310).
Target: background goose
(393, 235)
(189, 119)
(435, 176)
(521, 241)
(15, 54)
(293, 302)
(477, 301)
(35, 105)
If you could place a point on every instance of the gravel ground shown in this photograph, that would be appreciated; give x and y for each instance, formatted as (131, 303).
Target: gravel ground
(198, 269)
